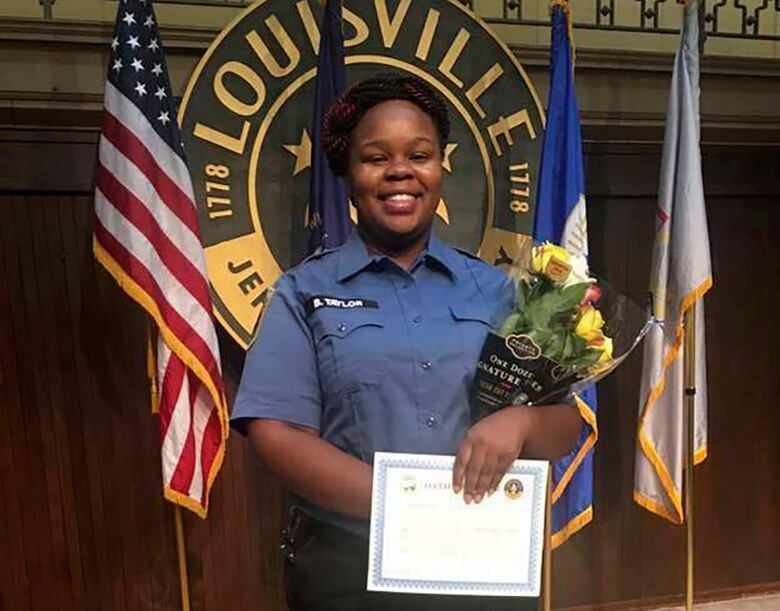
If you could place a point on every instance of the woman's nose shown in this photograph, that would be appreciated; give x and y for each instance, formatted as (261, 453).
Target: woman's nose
(399, 170)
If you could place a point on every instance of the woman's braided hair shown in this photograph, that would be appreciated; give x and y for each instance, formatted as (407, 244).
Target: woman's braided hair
(345, 113)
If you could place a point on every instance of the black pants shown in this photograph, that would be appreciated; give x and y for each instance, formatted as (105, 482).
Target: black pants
(326, 570)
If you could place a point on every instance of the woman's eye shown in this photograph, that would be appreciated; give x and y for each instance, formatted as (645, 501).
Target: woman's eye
(420, 156)
(375, 159)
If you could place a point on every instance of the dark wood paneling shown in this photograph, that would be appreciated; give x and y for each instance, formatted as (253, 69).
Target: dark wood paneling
(82, 521)
(87, 528)
(627, 554)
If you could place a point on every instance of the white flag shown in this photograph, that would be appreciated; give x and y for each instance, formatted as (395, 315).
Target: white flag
(681, 274)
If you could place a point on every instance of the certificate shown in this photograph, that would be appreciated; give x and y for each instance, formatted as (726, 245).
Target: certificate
(425, 539)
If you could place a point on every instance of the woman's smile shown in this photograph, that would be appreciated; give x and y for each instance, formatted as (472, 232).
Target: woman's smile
(399, 202)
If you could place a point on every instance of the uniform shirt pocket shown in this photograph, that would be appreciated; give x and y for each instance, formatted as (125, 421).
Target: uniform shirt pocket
(473, 321)
(350, 348)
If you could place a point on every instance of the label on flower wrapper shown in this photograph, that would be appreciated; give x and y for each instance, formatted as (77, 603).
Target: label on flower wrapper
(557, 270)
(523, 347)
(511, 372)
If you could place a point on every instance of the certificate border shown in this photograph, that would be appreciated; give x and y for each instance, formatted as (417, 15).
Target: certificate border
(385, 461)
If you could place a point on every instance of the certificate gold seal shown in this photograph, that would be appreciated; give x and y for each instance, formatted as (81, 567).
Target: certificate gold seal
(246, 123)
(513, 489)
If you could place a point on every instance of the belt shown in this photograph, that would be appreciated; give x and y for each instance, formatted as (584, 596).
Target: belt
(301, 527)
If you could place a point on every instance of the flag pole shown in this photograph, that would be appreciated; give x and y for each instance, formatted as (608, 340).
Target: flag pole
(183, 578)
(689, 359)
(547, 574)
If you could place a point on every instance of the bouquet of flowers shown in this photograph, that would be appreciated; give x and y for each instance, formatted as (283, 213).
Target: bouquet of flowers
(567, 331)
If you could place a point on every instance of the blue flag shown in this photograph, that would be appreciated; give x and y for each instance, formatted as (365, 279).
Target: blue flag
(328, 205)
(560, 218)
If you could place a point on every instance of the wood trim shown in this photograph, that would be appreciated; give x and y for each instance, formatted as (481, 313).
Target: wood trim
(192, 37)
(679, 599)
(71, 31)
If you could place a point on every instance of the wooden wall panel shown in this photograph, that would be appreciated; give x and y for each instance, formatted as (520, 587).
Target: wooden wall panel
(82, 521)
(88, 528)
(627, 554)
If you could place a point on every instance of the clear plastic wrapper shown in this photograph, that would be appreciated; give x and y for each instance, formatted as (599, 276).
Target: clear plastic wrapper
(568, 330)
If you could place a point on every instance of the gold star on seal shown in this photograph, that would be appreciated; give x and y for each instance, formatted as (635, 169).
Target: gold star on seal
(449, 149)
(302, 153)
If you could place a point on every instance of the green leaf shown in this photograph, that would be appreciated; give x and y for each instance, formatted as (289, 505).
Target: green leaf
(588, 357)
(510, 324)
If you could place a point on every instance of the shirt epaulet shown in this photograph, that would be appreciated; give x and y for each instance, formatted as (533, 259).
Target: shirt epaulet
(470, 255)
(318, 255)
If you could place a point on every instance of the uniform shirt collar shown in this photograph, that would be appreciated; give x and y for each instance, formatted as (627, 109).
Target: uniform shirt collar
(354, 257)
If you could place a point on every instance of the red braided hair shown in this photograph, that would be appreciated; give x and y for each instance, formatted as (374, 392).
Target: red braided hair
(347, 111)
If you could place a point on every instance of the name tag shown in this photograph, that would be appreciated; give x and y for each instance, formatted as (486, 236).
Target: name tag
(321, 301)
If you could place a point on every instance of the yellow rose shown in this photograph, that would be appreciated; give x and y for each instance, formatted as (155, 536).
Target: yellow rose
(590, 323)
(605, 360)
(542, 254)
(606, 351)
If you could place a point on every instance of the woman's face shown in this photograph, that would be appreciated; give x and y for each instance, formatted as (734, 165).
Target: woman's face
(394, 174)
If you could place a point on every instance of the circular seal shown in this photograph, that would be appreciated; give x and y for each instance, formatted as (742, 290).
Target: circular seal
(246, 122)
(408, 485)
(513, 489)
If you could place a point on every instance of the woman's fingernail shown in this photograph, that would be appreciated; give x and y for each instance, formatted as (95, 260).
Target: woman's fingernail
(479, 498)
(467, 498)
(456, 488)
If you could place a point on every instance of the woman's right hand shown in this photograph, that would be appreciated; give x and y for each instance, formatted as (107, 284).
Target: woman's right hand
(313, 468)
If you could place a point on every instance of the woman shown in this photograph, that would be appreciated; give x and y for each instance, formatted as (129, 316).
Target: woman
(372, 347)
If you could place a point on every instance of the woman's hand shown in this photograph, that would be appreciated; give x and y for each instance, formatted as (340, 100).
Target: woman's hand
(493, 443)
(488, 450)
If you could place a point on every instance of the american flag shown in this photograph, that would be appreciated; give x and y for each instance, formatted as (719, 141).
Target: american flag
(147, 237)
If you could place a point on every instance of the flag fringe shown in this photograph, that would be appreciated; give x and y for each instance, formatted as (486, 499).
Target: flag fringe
(572, 527)
(648, 448)
(656, 508)
(589, 416)
(144, 300)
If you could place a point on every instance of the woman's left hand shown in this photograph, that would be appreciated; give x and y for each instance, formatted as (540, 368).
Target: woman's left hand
(487, 451)
(547, 432)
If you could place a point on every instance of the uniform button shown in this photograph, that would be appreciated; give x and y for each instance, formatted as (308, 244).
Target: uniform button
(418, 319)
(425, 365)
(343, 327)
(431, 422)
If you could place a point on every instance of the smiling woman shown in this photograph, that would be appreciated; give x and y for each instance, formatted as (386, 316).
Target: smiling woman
(372, 347)
(390, 152)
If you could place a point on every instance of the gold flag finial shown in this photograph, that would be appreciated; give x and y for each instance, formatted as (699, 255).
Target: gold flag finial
(566, 7)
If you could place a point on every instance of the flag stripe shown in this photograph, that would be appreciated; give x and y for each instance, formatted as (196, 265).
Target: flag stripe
(129, 284)
(178, 201)
(210, 449)
(141, 275)
(171, 373)
(152, 197)
(200, 418)
(182, 475)
(138, 126)
(133, 209)
(181, 313)
(176, 454)
(144, 257)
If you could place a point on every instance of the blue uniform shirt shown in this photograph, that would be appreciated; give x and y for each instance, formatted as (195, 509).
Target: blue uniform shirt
(374, 357)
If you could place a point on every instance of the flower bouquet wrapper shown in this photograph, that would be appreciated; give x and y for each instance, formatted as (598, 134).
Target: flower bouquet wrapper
(568, 330)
